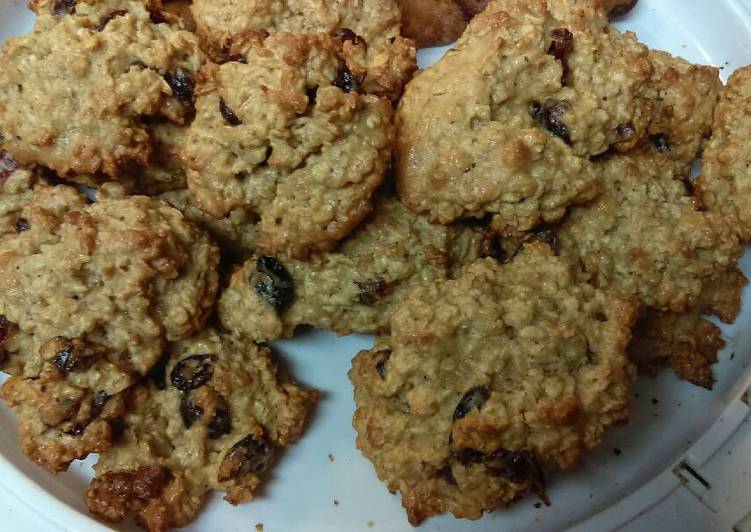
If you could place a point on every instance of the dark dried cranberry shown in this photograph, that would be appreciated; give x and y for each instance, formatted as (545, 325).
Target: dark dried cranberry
(346, 34)
(67, 361)
(622, 9)
(63, 7)
(158, 373)
(249, 455)
(346, 81)
(157, 17)
(624, 132)
(189, 411)
(182, 85)
(381, 364)
(372, 291)
(98, 400)
(192, 372)
(472, 399)
(22, 225)
(8, 165)
(661, 142)
(220, 423)
(561, 46)
(518, 467)
(229, 115)
(273, 283)
(550, 116)
(106, 20)
(548, 235)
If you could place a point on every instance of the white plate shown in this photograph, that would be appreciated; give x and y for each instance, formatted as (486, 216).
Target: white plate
(301, 491)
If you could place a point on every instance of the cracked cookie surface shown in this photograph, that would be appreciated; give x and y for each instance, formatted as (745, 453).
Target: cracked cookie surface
(548, 374)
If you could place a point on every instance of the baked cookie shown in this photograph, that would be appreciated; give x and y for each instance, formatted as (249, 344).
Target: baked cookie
(684, 97)
(88, 301)
(688, 343)
(73, 91)
(487, 379)
(725, 182)
(644, 236)
(351, 290)
(285, 134)
(436, 22)
(213, 418)
(616, 9)
(531, 90)
(236, 233)
(377, 55)
(28, 203)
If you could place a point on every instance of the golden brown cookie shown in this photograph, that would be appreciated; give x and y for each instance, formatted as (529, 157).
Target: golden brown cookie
(487, 379)
(436, 22)
(213, 418)
(286, 134)
(88, 301)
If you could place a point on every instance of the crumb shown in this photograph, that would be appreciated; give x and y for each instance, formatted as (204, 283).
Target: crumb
(259, 527)
(744, 397)
(732, 355)
(371, 524)
(331, 457)
(655, 401)
(617, 451)
(336, 502)
(636, 394)
(537, 505)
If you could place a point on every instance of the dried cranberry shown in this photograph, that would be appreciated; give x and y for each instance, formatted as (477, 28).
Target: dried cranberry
(346, 34)
(381, 364)
(446, 474)
(622, 9)
(106, 20)
(98, 400)
(22, 225)
(229, 115)
(157, 17)
(473, 399)
(189, 411)
(192, 372)
(182, 85)
(63, 7)
(220, 423)
(67, 361)
(273, 283)
(547, 235)
(371, 291)
(624, 132)
(8, 165)
(549, 115)
(249, 455)
(561, 46)
(661, 142)
(346, 81)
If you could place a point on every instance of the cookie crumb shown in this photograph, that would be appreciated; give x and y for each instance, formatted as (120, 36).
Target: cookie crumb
(331, 457)
(336, 502)
(537, 505)
(371, 524)
(655, 401)
(259, 527)
(617, 451)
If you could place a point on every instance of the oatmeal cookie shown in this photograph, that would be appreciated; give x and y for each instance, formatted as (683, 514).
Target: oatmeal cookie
(86, 308)
(725, 183)
(435, 22)
(285, 135)
(28, 203)
(352, 289)
(644, 237)
(375, 52)
(688, 343)
(73, 90)
(505, 122)
(616, 9)
(548, 374)
(212, 418)
(236, 233)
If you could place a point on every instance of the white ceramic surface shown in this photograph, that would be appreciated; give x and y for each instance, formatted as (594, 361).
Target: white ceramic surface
(301, 491)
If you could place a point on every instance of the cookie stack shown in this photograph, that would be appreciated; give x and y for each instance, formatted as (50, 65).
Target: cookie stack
(518, 223)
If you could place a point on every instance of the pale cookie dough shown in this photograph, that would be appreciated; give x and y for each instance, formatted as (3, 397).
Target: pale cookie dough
(725, 182)
(644, 237)
(504, 123)
(487, 379)
(212, 419)
(86, 307)
(73, 90)
(28, 203)
(351, 290)
(285, 135)
(374, 51)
